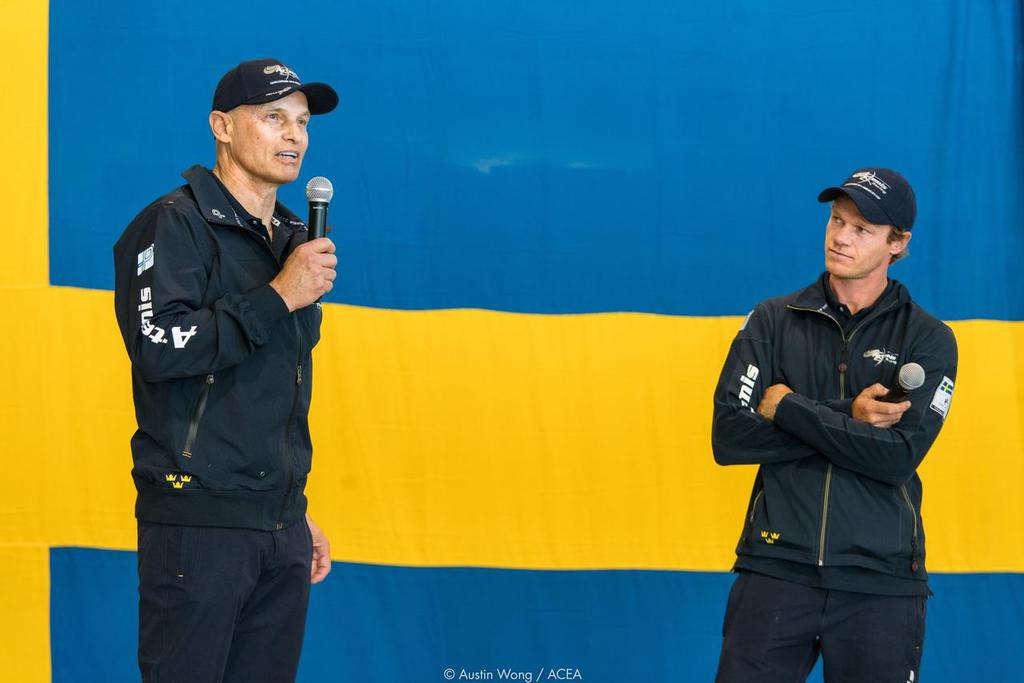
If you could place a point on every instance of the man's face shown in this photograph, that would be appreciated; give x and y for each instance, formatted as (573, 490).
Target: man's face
(268, 141)
(854, 247)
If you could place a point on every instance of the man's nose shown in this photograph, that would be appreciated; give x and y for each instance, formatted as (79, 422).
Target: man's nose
(843, 235)
(292, 131)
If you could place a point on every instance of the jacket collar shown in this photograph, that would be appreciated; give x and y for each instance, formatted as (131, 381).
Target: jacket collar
(813, 298)
(216, 206)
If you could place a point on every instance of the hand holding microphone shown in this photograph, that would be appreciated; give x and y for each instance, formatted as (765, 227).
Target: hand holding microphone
(883, 407)
(911, 377)
(309, 272)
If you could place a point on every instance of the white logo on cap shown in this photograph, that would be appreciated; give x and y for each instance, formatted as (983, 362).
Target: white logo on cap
(281, 69)
(868, 179)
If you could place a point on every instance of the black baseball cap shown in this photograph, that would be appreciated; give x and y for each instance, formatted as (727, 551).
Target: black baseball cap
(882, 195)
(265, 80)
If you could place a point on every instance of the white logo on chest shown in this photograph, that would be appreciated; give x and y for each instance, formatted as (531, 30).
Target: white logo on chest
(881, 356)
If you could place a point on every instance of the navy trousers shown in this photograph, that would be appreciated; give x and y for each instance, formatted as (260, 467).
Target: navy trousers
(222, 605)
(775, 630)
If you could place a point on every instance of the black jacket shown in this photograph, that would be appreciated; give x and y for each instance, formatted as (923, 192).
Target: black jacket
(831, 490)
(220, 369)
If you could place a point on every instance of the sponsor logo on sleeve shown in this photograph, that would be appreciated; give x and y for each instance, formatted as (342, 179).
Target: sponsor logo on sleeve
(155, 334)
(943, 397)
(181, 338)
(747, 383)
(145, 260)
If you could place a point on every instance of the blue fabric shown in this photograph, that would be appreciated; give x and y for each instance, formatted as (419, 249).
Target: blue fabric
(399, 624)
(571, 156)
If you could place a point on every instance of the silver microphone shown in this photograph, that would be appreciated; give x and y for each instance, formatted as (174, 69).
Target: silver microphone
(319, 192)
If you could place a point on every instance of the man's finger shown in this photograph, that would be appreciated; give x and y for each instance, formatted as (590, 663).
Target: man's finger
(320, 245)
(321, 564)
(886, 408)
(876, 390)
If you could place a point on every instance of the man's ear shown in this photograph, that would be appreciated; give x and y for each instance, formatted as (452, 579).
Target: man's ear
(222, 126)
(900, 246)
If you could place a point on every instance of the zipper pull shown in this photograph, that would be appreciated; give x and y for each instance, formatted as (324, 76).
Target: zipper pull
(209, 378)
(298, 375)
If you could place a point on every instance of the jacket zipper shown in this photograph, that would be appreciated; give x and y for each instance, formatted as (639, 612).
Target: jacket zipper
(289, 453)
(913, 542)
(197, 415)
(842, 395)
(288, 450)
(753, 507)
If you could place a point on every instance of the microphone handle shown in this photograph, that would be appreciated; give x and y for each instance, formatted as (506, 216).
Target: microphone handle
(317, 224)
(895, 395)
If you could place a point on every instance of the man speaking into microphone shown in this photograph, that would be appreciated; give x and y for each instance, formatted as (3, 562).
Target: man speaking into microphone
(216, 284)
(831, 553)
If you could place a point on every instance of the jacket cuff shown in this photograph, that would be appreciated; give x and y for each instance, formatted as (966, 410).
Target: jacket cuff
(787, 413)
(266, 308)
(840, 405)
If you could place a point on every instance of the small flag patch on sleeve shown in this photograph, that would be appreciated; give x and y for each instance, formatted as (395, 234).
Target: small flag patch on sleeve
(942, 398)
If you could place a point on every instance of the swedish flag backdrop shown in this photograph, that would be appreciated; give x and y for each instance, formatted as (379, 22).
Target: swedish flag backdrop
(551, 218)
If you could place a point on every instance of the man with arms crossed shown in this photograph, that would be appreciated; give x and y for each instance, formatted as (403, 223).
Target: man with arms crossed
(831, 555)
(215, 296)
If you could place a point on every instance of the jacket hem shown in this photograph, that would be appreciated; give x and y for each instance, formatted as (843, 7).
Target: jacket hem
(235, 509)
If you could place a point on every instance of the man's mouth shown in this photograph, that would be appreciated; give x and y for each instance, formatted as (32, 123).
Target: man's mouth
(292, 156)
(841, 255)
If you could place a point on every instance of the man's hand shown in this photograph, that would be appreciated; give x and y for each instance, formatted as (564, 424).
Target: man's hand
(770, 400)
(321, 566)
(867, 408)
(307, 275)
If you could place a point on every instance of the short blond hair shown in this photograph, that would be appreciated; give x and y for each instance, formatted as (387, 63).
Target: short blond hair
(897, 235)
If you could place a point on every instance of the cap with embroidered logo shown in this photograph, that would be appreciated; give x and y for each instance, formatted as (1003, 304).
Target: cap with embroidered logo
(265, 80)
(882, 195)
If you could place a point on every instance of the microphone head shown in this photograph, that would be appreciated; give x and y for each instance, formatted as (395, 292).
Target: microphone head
(911, 376)
(319, 189)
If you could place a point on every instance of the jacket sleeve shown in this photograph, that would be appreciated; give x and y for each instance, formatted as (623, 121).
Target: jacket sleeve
(890, 455)
(739, 435)
(162, 271)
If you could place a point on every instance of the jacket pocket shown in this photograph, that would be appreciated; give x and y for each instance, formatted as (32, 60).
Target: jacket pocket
(778, 523)
(197, 417)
